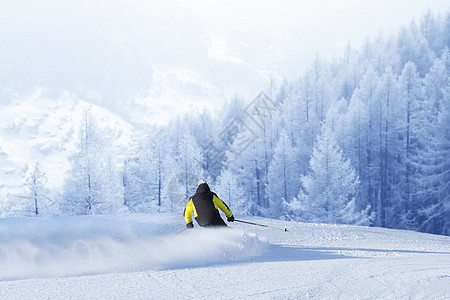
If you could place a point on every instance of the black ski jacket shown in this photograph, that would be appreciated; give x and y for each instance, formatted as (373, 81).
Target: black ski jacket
(205, 205)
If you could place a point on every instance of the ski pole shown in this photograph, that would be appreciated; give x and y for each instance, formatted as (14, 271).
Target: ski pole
(256, 224)
(176, 233)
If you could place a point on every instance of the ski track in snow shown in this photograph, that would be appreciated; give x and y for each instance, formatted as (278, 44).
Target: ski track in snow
(143, 257)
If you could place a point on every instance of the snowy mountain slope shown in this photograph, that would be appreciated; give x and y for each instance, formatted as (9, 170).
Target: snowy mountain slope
(140, 257)
(39, 129)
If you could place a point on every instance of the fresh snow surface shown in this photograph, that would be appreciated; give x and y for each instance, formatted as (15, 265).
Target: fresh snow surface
(145, 257)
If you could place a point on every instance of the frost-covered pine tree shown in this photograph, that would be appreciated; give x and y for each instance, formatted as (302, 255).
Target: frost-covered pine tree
(246, 168)
(283, 175)
(330, 188)
(144, 174)
(184, 169)
(36, 188)
(410, 102)
(433, 160)
(92, 185)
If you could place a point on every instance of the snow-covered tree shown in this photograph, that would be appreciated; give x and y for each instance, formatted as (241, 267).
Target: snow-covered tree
(329, 190)
(184, 169)
(408, 127)
(36, 187)
(92, 185)
(246, 168)
(144, 174)
(283, 175)
(433, 160)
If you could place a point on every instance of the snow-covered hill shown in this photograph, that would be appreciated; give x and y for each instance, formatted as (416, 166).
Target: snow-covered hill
(143, 257)
(39, 129)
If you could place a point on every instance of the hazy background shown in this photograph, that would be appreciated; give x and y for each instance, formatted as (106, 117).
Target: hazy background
(148, 60)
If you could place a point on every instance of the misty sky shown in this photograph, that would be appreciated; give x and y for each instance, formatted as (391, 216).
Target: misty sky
(148, 60)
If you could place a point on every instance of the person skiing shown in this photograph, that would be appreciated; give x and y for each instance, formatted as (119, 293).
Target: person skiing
(205, 205)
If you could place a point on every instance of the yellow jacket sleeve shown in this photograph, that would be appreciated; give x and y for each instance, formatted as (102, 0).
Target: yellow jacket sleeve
(188, 211)
(220, 204)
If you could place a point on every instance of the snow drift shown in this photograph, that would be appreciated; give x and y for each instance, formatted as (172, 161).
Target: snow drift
(66, 246)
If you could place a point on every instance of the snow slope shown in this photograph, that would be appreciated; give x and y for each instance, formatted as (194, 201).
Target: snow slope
(143, 257)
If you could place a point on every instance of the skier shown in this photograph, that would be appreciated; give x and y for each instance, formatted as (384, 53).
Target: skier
(204, 204)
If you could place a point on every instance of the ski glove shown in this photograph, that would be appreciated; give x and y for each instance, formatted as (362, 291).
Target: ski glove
(190, 225)
(230, 219)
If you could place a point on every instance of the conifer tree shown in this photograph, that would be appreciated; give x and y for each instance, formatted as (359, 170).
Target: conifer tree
(92, 185)
(283, 176)
(329, 190)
